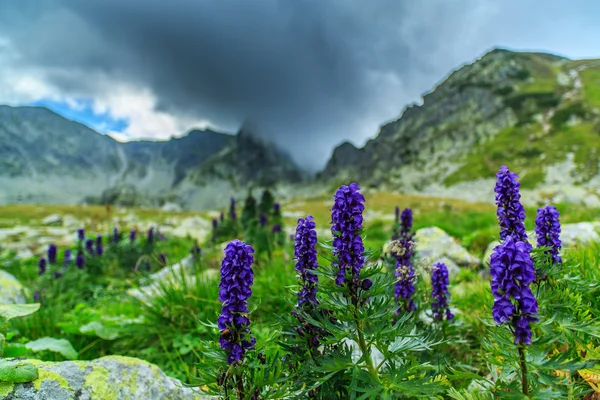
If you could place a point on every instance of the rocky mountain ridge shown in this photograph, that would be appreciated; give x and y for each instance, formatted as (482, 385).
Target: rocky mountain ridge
(537, 113)
(45, 158)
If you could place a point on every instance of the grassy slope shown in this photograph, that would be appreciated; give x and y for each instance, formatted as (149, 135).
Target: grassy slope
(524, 147)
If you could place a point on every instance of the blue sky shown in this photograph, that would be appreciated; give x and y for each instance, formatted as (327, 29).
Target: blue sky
(84, 113)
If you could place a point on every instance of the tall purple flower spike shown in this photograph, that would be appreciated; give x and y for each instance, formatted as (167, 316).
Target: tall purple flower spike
(305, 255)
(440, 293)
(510, 212)
(52, 254)
(237, 278)
(346, 227)
(547, 229)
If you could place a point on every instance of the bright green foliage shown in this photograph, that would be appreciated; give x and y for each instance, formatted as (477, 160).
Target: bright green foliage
(60, 346)
(17, 371)
(9, 311)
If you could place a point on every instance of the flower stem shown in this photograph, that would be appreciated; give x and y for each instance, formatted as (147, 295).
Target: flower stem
(524, 385)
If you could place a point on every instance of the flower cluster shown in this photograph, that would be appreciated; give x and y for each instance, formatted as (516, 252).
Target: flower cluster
(67, 258)
(305, 255)
(42, 265)
(406, 223)
(80, 260)
(512, 272)
(237, 278)
(547, 229)
(263, 220)
(510, 212)
(440, 293)
(402, 249)
(151, 235)
(347, 223)
(132, 235)
(80, 234)
(89, 246)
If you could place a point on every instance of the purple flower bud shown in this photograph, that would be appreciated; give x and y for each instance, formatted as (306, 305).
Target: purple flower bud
(366, 284)
(263, 220)
(547, 229)
(315, 341)
(52, 254)
(406, 221)
(215, 223)
(80, 234)
(132, 235)
(99, 249)
(67, 259)
(440, 293)
(276, 229)
(347, 224)
(80, 260)
(37, 296)
(89, 246)
(237, 278)
(151, 235)
(232, 215)
(305, 255)
(42, 266)
(510, 212)
(162, 259)
(276, 208)
(512, 272)
(222, 217)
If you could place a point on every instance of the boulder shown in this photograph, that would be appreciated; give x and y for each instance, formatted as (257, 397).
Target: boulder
(107, 378)
(434, 244)
(171, 207)
(580, 233)
(11, 290)
(53, 220)
(488, 252)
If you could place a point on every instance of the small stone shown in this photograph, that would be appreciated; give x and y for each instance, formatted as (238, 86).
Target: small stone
(53, 220)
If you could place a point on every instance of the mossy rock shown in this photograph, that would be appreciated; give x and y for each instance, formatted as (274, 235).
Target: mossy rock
(107, 378)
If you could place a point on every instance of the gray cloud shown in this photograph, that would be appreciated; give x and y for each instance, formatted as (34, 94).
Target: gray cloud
(310, 74)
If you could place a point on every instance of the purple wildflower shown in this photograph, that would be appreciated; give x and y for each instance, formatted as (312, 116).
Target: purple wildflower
(215, 223)
(547, 229)
(80, 260)
(151, 235)
(510, 212)
(89, 246)
(116, 236)
(232, 215)
(406, 222)
(347, 223)
(276, 208)
(305, 255)
(263, 220)
(366, 284)
(512, 272)
(237, 278)
(132, 235)
(405, 275)
(99, 249)
(67, 259)
(162, 259)
(37, 296)
(440, 293)
(276, 229)
(222, 217)
(80, 234)
(42, 264)
(52, 254)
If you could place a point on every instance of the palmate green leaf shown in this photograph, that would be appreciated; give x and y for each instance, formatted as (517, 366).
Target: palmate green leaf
(60, 346)
(468, 395)
(10, 311)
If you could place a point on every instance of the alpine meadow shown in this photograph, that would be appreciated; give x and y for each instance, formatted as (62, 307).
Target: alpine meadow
(169, 229)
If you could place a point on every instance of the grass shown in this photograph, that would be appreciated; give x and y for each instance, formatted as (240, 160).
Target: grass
(591, 86)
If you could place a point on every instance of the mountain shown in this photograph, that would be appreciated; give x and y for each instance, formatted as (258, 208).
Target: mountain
(537, 113)
(45, 158)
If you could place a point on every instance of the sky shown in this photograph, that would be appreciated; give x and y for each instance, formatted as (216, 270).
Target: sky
(308, 74)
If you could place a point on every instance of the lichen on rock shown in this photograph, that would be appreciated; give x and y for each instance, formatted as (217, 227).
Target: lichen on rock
(106, 378)
(11, 290)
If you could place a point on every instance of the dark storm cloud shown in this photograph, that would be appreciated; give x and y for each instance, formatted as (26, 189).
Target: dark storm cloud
(309, 74)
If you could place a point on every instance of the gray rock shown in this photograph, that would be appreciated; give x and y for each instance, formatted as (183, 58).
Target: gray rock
(580, 233)
(171, 207)
(107, 378)
(434, 244)
(488, 252)
(53, 220)
(11, 290)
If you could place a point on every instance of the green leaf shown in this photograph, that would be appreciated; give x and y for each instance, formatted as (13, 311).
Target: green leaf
(97, 328)
(17, 371)
(9, 311)
(61, 346)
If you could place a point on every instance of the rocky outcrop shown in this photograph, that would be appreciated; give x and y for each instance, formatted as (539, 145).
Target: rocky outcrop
(11, 290)
(107, 378)
(435, 245)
